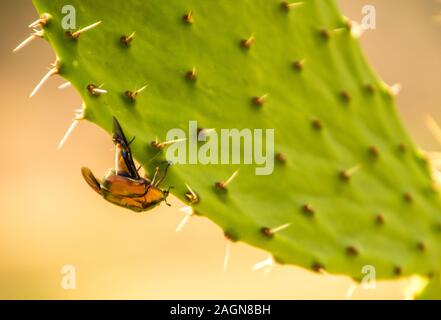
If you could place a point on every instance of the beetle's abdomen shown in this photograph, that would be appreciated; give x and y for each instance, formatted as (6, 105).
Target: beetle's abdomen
(145, 202)
(123, 186)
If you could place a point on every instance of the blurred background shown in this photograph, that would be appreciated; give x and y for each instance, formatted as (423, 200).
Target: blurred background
(50, 218)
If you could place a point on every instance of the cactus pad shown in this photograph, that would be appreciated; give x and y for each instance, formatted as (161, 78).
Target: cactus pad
(349, 186)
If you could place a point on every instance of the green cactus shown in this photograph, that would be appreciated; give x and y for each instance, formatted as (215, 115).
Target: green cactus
(349, 187)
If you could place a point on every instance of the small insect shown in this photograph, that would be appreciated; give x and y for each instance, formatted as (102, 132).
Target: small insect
(123, 186)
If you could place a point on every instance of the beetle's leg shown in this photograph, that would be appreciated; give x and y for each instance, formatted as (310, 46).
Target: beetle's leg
(166, 193)
(163, 176)
(155, 176)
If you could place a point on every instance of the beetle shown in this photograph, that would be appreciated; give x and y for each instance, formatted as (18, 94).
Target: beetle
(123, 186)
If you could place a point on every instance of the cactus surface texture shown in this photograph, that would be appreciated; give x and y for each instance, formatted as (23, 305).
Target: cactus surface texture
(349, 188)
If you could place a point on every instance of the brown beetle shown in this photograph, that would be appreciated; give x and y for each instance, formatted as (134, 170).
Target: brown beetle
(123, 185)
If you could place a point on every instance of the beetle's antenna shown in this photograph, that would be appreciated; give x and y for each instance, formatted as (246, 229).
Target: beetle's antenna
(188, 211)
(55, 70)
(79, 115)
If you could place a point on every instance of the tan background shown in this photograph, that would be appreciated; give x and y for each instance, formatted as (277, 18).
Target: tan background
(50, 218)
